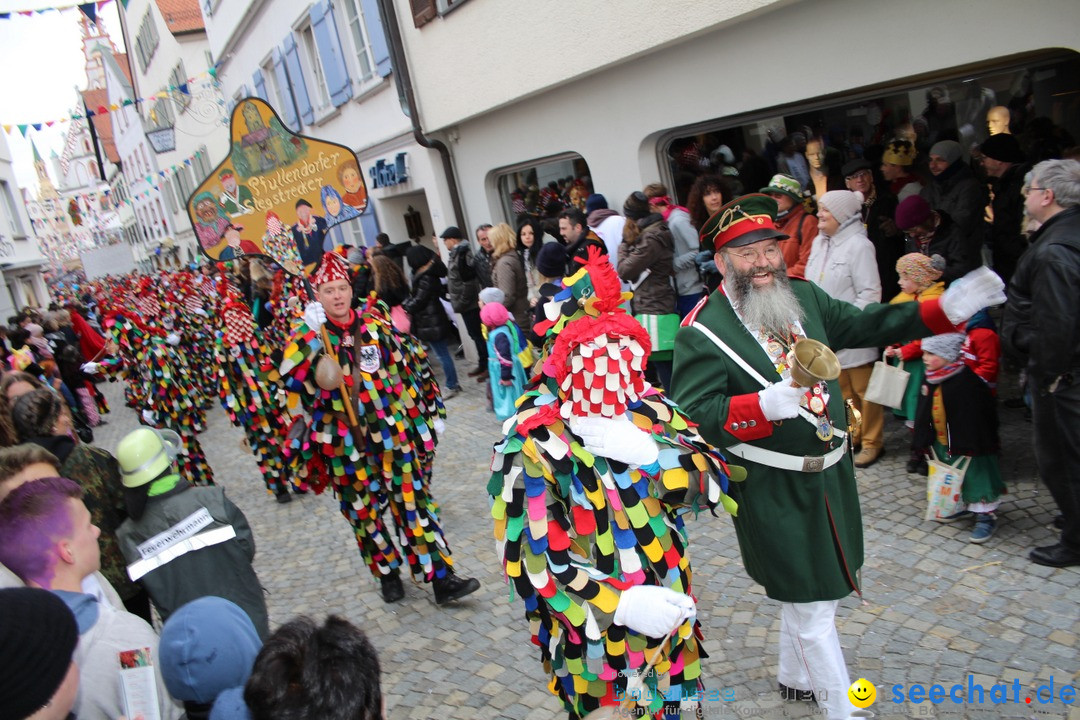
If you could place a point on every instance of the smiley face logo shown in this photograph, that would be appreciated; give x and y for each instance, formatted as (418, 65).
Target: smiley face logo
(862, 693)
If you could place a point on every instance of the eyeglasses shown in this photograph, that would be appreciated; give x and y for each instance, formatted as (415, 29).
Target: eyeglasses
(751, 256)
(859, 175)
(1026, 189)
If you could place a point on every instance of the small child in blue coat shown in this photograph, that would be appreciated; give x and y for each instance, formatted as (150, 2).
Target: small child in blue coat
(506, 374)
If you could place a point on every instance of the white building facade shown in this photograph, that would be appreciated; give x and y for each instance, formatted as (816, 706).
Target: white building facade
(20, 260)
(620, 94)
(185, 123)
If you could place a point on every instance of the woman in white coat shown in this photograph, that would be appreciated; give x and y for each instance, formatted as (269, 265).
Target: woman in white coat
(843, 263)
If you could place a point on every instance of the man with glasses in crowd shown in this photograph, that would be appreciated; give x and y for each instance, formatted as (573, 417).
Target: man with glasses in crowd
(1041, 326)
(799, 524)
(878, 209)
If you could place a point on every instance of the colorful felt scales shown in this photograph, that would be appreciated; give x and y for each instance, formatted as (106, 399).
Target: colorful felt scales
(574, 530)
(250, 399)
(386, 459)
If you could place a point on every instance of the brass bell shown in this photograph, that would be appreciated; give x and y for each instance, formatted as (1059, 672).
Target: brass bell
(811, 362)
(328, 375)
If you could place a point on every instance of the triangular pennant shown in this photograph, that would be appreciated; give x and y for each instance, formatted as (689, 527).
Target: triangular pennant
(89, 10)
(36, 126)
(22, 129)
(50, 123)
(7, 128)
(102, 110)
(184, 89)
(188, 162)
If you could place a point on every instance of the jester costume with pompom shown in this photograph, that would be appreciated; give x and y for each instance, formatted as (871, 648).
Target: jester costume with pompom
(574, 530)
(160, 380)
(387, 458)
(250, 399)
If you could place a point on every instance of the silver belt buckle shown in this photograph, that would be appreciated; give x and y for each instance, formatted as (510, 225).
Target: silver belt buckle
(812, 464)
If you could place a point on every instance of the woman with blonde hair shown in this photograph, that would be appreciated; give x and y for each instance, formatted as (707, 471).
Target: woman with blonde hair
(508, 272)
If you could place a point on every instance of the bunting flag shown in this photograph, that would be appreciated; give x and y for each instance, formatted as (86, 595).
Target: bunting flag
(90, 9)
(186, 88)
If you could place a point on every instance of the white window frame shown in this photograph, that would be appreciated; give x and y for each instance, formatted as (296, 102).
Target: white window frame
(273, 93)
(12, 210)
(354, 19)
(314, 77)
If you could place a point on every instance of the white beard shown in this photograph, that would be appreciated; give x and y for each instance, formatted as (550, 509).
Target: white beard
(773, 307)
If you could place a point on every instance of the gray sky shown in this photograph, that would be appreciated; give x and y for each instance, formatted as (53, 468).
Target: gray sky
(43, 64)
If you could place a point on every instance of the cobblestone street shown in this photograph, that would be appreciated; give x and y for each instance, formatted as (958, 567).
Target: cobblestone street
(936, 608)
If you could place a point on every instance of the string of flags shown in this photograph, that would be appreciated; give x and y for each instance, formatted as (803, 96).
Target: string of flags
(154, 180)
(90, 9)
(185, 88)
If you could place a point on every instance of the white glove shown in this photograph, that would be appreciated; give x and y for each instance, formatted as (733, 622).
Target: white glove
(780, 401)
(314, 316)
(439, 425)
(616, 439)
(652, 610)
(199, 311)
(978, 289)
(173, 339)
(149, 417)
(91, 368)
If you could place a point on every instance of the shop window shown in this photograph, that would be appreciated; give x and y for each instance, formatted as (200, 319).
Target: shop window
(542, 188)
(1042, 97)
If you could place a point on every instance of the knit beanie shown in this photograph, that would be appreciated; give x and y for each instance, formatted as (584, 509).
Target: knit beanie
(636, 206)
(494, 314)
(922, 270)
(596, 201)
(38, 636)
(912, 211)
(947, 346)
(551, 261)
(1002, 147)
(492, 295)
(843, 204)
(418, 256)
(949, 150)
(207, 646)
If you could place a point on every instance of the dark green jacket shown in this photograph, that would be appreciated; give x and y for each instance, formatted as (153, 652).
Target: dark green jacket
(800, 533)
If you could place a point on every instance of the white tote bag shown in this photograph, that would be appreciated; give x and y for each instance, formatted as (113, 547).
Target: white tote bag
(887, 384)
(943, 485)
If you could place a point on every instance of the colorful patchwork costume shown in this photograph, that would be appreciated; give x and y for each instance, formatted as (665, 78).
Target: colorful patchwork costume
(574, 530)
(386, 459)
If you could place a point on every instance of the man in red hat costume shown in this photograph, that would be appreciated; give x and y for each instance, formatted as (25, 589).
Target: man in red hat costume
(799, 524)
(387, 455)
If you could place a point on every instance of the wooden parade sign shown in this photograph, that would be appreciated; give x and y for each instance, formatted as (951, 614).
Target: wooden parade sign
(276, 194)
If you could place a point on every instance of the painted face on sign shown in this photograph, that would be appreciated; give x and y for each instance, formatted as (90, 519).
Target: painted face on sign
(350, 179)
(229, 182)
(333, 205)
(207, 211)
(303, 213)
(232, 237)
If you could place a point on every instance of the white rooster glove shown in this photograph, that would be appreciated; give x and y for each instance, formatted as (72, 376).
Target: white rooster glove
(652, 610)
(616, 439)
(978, 289)
(173, 339)
(314, 316)
(91, 368)
(439, 426)
(149, 417)
(780, 401)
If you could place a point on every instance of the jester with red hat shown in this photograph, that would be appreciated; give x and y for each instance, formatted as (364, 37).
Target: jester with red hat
(381, 453)
(590, 490)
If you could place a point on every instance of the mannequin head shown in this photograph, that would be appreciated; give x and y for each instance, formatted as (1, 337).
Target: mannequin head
(815, 154)
(997, 120)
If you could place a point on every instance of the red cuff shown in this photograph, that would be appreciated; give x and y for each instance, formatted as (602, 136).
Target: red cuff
(745, 420)
(911, 351)
(933, 317)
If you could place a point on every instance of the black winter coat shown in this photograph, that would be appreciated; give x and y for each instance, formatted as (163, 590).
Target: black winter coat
(429, 319)
(970, 415)
(462, 280)
(1041, 323)
(949, 244)
(962, 196)
(1006, 237)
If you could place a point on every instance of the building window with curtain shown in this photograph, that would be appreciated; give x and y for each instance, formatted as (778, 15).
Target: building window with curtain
(361, 43)
(313, 68)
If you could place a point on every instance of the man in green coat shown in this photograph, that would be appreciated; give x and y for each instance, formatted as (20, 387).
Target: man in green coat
(799, 524)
